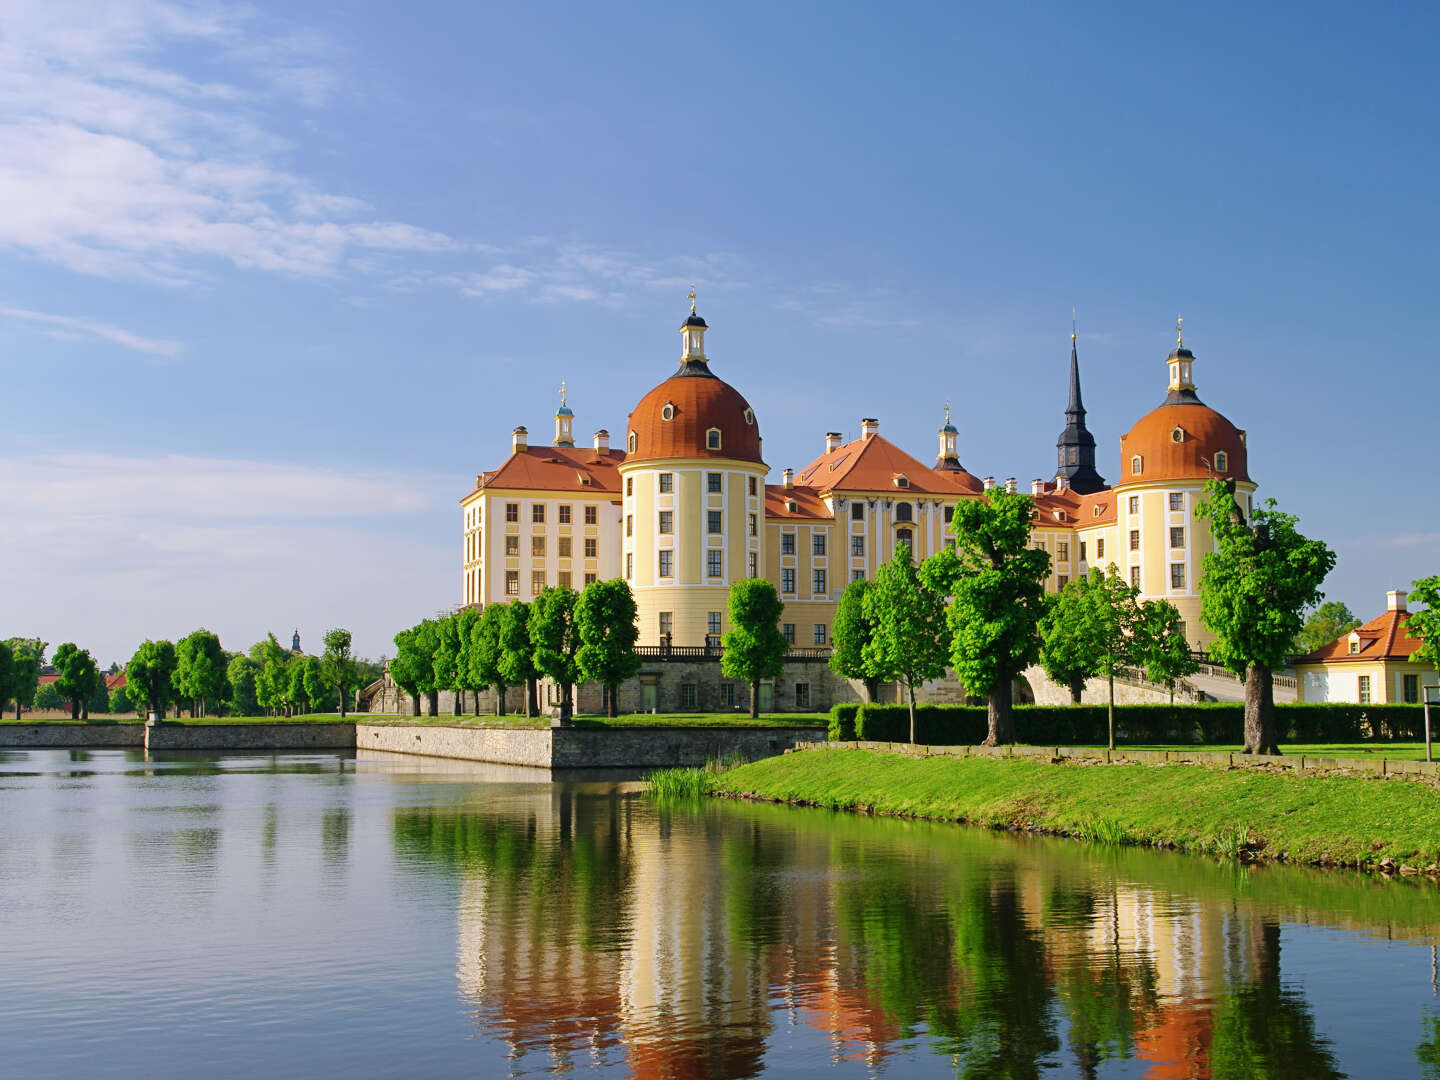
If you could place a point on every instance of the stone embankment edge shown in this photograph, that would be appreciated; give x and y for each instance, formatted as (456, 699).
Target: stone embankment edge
(1057, 754)
(54, 736)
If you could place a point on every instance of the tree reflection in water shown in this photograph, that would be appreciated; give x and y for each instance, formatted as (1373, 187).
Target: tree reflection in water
(683, 941)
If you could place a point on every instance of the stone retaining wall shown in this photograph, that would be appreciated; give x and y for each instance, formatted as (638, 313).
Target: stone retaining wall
(1296, 762)
(503, 746)
(92, 736)
(250, 737)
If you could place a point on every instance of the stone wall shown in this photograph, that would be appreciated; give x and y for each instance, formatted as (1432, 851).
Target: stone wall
(505, 746)
(93, 736)
(250, 737)
(1097, 691)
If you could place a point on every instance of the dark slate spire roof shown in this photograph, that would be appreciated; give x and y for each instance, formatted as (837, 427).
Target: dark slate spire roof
(1076, 446)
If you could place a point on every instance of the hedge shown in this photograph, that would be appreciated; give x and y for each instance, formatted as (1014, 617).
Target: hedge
(1061, 725)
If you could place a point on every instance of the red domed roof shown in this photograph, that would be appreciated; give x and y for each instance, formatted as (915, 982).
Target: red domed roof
(1190, 455)
(698, 402)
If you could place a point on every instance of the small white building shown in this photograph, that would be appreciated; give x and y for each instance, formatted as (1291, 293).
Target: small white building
(1372, 664)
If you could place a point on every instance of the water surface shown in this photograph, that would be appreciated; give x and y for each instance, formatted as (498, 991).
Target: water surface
(320, 915)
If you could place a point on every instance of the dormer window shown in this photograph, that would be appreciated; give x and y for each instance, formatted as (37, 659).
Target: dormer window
(1354, 644)
(1137, 465)
(630, 442)
(1222, 461)
(792, 506)
(712, 439)
(1061, 515)
(902, 481)
(749, 416)
(1177, 434)
(667, 411)
(1096, 510)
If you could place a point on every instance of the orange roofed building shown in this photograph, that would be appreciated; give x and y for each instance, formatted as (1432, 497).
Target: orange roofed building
(684, 510)
(1374, 663)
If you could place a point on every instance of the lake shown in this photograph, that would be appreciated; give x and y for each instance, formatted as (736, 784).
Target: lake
(327, 915)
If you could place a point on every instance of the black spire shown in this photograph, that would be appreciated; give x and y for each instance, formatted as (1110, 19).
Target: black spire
(1076, 446)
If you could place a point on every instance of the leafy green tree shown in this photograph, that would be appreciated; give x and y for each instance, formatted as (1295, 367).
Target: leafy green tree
(119, 702)
(241, 674)
(1425, 625)
(27, 658)
(556, 641)
(318, 690)
(517, 655)
(1323, 625)
(1260, 577)
(338, 663)
(605, 619)
(99, 697)
(1116, 614)
(1064, 652)
(909, 641)
(425, 641)
(48, 698)
(7, 673)
(485, 653)
(409, 665)
(78, 677)
(999, 599)
(1161, 647)
(200, 671)
(149, 676)
(852, 632)
(446, 658)
(295, 696)
(465, 623)
(272, 687)
(754, 646)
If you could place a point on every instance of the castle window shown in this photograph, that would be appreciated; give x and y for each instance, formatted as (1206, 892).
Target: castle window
(591, 544)
(512, 545)
(1177, 575)
(667, 482)
(903, 512)
(714, 483)
(857, 575)
(1064, 580)
(537, 545)
(512, 582)
(905, 536)
(754, 525)
(1177, 500)
(1222, 461)
(564, 579)
(754, 564)
(630, 485)
(592, 515)
(712, 439)
(857, 511)
(512, 511)
(1177, 434)
(749, 416)
(667, 411)
(565, 514)
(714, 563)
(802, 695)
(1364, 689)
(714, 522)
(787, 580)
(537, 582)
(1134, 539)
(687, 696)
(667, 563)
(630, 442)
(820, 633)
(1177, 536)
(857, 546)
(1134, 577)
(712, 623)
(1354, 646)
(537, 513)
(590, 579)
(787, 630)
(1099, 549)
(787, 543)
(902, 481)
(667, 521)
(629, 524)
(629, 566)
(667, 622)
(793, 506)
(1134, 504)
(564, 551)
(817, 583)
(817, 544)
(1074, 456)
(1136, 466)
(1062, 551)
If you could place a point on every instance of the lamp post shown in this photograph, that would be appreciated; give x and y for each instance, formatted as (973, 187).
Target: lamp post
(1432, 697)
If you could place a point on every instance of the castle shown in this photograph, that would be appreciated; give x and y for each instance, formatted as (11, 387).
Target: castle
(684, 510)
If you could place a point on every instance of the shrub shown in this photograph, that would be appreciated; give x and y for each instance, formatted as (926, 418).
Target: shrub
(842, 722)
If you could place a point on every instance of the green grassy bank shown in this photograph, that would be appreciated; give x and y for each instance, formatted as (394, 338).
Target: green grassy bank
(1323, 820)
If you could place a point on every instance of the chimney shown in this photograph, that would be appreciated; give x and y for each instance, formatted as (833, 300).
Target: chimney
(602, 441)
(988, 483)
(1010, 484)
(1062, 483)
(869, 427)
(787, 478)
(480, 480)
(1037, 487)
(518, 439)
(832, 441)
(1395, 600)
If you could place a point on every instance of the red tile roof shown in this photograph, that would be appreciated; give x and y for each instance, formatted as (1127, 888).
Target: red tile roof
(874, 464)
(558, 468)
(1384, 637)
(1097, 508)
(808, 505)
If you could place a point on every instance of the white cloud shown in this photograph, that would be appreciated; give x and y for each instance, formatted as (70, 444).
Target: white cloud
(113, 164)
(74, 328)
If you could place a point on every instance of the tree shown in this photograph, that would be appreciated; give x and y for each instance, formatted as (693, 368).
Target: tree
(1327, 622)
(149, 676)
(27, 658)
(409, 665)
(119, 702)
(48, 698)
(7, 673)
(909, 641)
(485, 653)
(852, 632)
(424, 641)
(1115, 614)
(605, 620)
(999, 599)
(1161, 647)
(200, 670)
(1063, 651)
(338, 664)
(296, 696)
(271, 682)
(99, 698)
(78, 677)
(1425, 625)
(517, 655)
(465, 622)
(241, 673)
(318, 689)
(1260, 577)
(446, 658)
(556, 641)
(754, 646)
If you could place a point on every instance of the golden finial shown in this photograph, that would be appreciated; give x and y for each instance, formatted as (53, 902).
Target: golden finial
(1179, 335)
(1072, 324)
(563, 402)
(947, 412)
(692, 298)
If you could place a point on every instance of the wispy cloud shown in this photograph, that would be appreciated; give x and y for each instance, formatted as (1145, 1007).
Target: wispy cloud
(73, 326)
(114, 164)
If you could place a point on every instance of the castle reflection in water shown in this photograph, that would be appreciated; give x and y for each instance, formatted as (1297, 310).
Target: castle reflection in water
(697, 941)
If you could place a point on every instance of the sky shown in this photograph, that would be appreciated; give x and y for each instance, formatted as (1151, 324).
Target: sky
(277, 280)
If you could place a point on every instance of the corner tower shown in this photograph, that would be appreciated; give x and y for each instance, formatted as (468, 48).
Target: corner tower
(1076, 446)
(693, 485)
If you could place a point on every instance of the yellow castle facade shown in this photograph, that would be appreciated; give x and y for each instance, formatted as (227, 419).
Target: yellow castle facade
(683, 510)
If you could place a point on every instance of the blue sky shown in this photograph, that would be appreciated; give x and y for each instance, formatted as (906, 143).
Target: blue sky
(276, 280)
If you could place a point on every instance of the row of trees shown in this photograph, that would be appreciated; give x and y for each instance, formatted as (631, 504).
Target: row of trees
(562, 635)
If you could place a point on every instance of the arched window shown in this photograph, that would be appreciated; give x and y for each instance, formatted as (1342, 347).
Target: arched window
(1222, 461)
(902, 512)
(1177, 434)
(1136, 466)
(630, 443)
(712, 439)
(905, 536)
(667, 411)
(749, 416)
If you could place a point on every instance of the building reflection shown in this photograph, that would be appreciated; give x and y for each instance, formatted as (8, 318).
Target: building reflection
(594, 927)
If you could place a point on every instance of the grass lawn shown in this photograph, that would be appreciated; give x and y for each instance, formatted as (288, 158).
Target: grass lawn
(1309, 819)
(1398, 751)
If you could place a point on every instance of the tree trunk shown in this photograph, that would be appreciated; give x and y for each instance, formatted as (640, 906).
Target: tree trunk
(500, 699)
(1002, 716)
(910, 684)
(1077, 689)
(85, 712)
(1110, 714)
(477, 703)
(432, 703)
(872, 690)
(75, 709)
(414, 704)
(567, 705)
(1260, 734)
(612, 702)
(17, 708)
(754, 699)
(532, 697)
(459, 705)
(343, 702)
